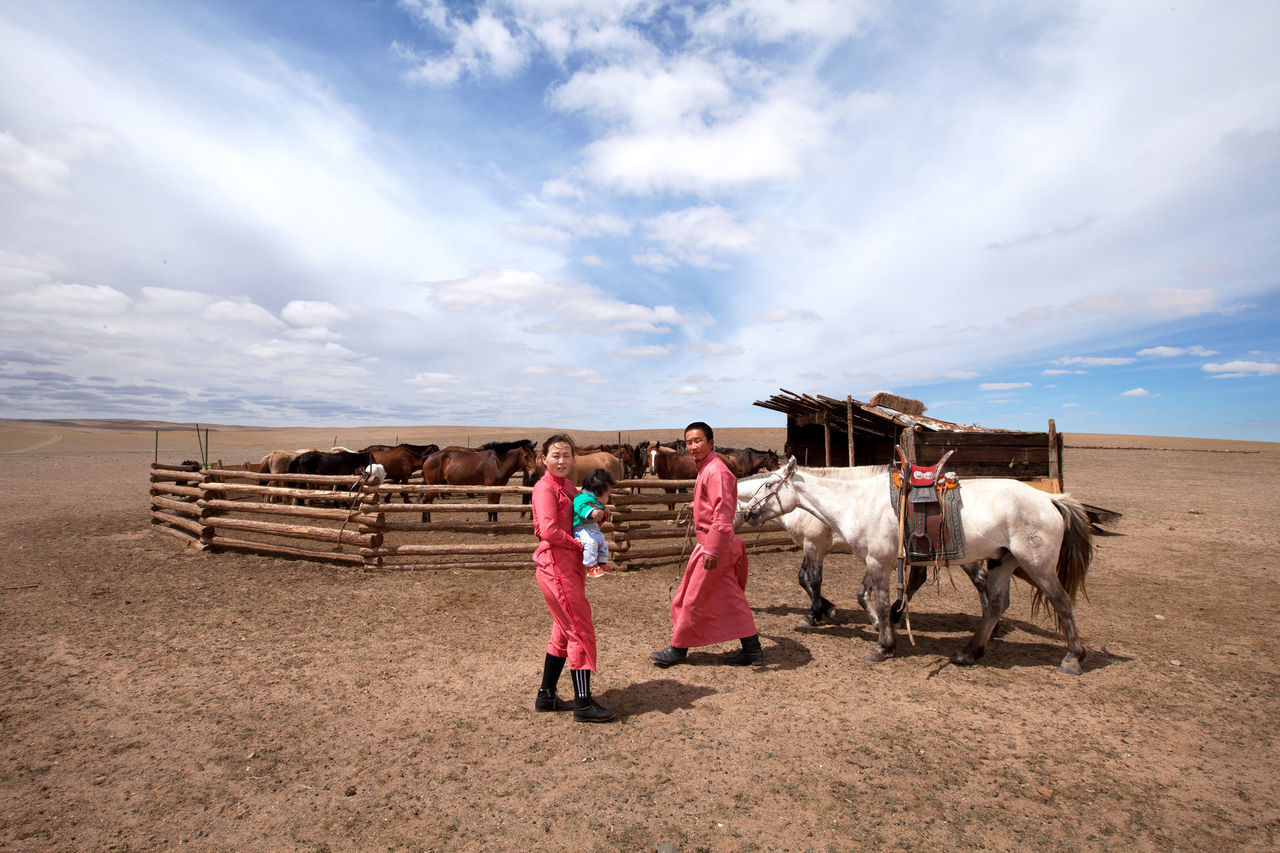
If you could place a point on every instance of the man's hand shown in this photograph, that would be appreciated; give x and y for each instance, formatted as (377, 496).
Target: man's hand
(709, 561)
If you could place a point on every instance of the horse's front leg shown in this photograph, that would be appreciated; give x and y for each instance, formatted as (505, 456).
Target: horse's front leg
(993, 592)
(810, 577)
(878, 606)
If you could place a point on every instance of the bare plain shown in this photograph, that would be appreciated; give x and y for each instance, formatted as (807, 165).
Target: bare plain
(156, 698)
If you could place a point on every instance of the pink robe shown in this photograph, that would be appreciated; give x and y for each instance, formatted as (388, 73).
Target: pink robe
(711, 606)
(561, 575)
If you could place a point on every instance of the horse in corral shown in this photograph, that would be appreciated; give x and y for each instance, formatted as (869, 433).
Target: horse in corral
(748, 460)
(401, 460)
(625, 454)
(668, 463)
(331, 463)
(584, 464)
(491, 465)
(816, 540)
(1006, 522)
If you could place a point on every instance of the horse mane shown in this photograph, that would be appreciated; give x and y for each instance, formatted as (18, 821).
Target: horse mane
(501, 447)
(857, 472)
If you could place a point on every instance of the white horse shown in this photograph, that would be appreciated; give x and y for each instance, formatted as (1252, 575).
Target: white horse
(816, 540)
(1046, 538)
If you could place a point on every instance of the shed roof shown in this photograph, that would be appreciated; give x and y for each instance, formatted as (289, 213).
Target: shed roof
(866, 417)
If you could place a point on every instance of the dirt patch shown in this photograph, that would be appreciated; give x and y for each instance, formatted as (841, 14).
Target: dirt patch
(156, 698)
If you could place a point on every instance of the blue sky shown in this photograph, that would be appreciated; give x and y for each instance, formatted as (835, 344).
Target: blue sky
(615, 214)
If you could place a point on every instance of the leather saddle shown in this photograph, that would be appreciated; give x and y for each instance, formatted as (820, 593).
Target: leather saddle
(927, 533)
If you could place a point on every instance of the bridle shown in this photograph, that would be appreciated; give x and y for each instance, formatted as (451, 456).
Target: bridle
(771, 487)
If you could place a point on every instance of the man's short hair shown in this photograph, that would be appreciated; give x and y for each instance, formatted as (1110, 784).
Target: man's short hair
(705, 427)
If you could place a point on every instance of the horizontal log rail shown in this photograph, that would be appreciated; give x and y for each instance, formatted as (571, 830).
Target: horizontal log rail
(184, 476)
(271, 550)
(317, 512)
(446, 507)
(180, 491)
(456, 527)
(180, 507)
(191, 526)
(358, 525)
(300, 531)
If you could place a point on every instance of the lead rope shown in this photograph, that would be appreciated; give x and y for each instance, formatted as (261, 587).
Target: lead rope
(352, 512)
(683, 515)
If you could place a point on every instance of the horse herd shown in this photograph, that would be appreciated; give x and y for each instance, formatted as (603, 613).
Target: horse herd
(495, 463)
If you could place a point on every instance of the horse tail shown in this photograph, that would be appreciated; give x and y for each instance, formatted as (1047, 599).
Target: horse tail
(1074, 554)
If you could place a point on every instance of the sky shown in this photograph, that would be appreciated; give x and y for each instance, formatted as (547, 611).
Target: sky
(628, 214)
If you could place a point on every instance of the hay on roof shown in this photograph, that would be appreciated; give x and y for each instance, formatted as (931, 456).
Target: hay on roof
(906, 405)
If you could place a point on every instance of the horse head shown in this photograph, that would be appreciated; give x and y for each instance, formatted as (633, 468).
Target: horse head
(775, 495)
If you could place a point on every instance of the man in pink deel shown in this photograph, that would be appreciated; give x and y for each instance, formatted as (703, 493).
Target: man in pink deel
(711, 604)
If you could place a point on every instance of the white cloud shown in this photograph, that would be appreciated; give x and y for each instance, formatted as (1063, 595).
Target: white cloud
(770, 141)
(1137, 392)
(1058, 372)
(1096, 361)
(655, 261)
(650, 96)
(717, 350)
(1170, 352)
(640, 352)
(553, 307)
(1003, 386)
(307, 313)
(1235, 369)
(697, 235)
(431, 379)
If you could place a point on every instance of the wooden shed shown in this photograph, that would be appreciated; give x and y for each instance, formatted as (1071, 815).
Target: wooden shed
(823, 431)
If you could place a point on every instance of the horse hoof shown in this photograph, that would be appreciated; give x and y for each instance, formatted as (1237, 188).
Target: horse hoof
(810, 620)
(876, 656)
(962, 660)
(1070, 667)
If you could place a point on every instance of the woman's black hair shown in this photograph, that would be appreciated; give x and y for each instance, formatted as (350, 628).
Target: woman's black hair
(557, 439)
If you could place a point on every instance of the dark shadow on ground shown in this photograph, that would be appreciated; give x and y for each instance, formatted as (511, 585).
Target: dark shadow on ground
(663, 695)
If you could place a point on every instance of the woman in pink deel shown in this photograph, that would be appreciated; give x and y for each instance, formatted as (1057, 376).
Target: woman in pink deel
(711, 604)
(562, 578)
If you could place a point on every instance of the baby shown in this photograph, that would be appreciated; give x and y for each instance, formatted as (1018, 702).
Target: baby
(588, 512)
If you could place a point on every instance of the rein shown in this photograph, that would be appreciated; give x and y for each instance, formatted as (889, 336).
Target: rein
(771, 488)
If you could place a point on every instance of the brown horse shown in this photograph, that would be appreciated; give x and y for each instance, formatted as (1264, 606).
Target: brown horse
(667, 463)
(401, 461)
(748, 460)
(491, 465)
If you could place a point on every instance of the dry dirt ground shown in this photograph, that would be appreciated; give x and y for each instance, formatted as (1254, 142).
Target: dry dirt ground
(155, 698)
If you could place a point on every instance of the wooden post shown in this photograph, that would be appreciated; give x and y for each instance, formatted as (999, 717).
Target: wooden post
(1055, 456)
(848, 425)
(826, 439)
(909, 444)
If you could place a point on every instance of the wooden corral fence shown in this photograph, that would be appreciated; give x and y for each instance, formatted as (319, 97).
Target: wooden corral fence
(346, 521)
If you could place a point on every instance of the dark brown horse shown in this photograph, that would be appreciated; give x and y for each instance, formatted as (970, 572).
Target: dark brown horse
(667, 463)
(491, 465)
(401, 461)
(748, 460)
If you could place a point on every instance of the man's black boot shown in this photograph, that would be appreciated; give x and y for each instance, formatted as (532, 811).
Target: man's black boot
(669, 656)
(750, 655)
